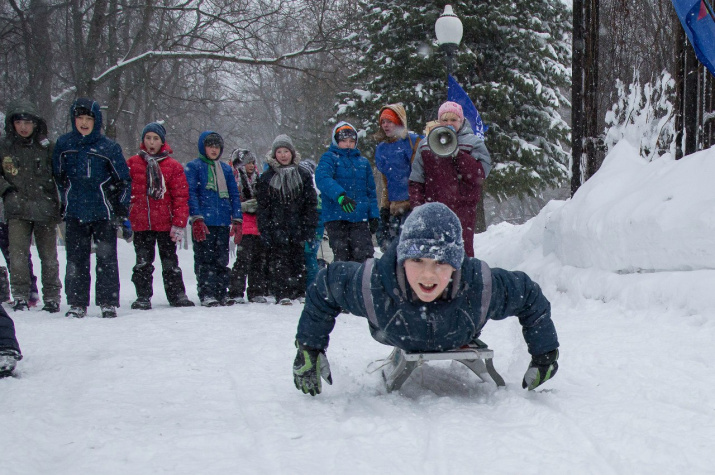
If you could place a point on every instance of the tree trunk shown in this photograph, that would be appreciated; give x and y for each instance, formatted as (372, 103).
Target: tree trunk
(577, 120)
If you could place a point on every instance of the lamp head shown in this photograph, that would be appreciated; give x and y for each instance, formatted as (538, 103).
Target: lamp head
(448, 28)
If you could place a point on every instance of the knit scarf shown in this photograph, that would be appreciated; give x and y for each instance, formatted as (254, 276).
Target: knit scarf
(155, 184)
(246, 183)
(216, 180)
(286, 182)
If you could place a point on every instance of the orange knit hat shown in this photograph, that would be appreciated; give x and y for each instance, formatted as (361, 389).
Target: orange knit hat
(390, 115)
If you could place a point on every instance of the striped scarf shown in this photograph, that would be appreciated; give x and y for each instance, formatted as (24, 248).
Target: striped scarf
(155, 184)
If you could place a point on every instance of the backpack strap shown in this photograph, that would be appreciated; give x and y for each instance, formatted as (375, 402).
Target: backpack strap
(414, 146)
(486, 293)
(367, 293)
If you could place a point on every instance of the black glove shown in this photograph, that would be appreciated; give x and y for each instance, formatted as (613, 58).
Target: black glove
(542, 368)
(346, 203)
(309, 366)
(374, 223)
(385, 215)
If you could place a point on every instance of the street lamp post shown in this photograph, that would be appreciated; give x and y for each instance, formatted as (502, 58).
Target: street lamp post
(448, 29)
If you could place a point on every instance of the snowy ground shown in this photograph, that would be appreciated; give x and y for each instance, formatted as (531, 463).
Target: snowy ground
(629, 268)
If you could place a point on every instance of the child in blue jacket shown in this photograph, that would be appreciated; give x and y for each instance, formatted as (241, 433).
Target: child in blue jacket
(393, 158)
(95, 190)
(423, 295)
(347, 186)
(215, 210)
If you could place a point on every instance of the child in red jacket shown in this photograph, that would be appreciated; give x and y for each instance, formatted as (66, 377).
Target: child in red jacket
(158, 214)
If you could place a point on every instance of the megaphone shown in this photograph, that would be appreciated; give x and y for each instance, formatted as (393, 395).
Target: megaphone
(442, 141)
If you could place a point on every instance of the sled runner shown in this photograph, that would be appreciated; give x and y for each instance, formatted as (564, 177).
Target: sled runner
(476, 356)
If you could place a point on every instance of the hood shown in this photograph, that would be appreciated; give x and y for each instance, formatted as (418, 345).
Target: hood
(337, 126)
(401, 113)
(25, 107)
(202, 137)
(466, 128)
(96, 110)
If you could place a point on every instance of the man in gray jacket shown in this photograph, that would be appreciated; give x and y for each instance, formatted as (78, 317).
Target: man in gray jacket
(32, 205)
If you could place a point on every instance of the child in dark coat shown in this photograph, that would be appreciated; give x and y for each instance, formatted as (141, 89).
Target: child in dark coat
(95, 190)
(347, 188)
(215, 210)
(287, 218)
(158, 215)
(423, 295)
(251, 254)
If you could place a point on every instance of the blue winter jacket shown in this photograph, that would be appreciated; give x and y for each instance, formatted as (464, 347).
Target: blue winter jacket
(215, 210)
(394, 160)
(399, 319)
(345, 170)
(91, 173)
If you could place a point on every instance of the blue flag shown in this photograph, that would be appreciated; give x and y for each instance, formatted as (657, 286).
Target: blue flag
(696, 16)
(455, 93)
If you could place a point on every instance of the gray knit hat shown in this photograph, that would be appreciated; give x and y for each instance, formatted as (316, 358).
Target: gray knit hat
(432, 231)
(282, 141)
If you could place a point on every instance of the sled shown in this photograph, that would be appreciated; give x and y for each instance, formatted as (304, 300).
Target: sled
(476, 356)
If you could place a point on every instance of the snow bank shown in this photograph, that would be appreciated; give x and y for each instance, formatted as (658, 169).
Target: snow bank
(636, 216)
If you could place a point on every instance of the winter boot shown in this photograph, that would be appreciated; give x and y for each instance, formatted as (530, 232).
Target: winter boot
(20, 305)
(34, 298)
(142, 303)
(51, 306)
(285, 301)
(182, 301)
(210, 302)
(108, 311)
(8, 359)
(76, 312)
(227, 301)
(258, 299)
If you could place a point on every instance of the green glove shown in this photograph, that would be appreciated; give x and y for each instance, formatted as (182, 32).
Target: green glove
(309, 365)
(541, 369)
(346, 203)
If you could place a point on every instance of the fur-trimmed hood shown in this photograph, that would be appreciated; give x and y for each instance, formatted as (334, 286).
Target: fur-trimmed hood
(398, 109)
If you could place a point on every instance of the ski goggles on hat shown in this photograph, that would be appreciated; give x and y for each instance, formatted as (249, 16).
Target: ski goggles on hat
(345, 132)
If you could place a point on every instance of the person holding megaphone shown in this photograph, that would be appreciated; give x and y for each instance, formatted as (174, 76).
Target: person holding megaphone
(450, 167)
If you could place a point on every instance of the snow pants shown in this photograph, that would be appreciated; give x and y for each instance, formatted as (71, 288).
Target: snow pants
(5, 248)
(251, 264)
(79, 236)
(20, 234)
(145, 244)
(211, 264)
(350, 241)
(286, 270)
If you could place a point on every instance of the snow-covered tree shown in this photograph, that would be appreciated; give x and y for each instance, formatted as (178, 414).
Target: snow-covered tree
(644, 116)
(514, 62)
